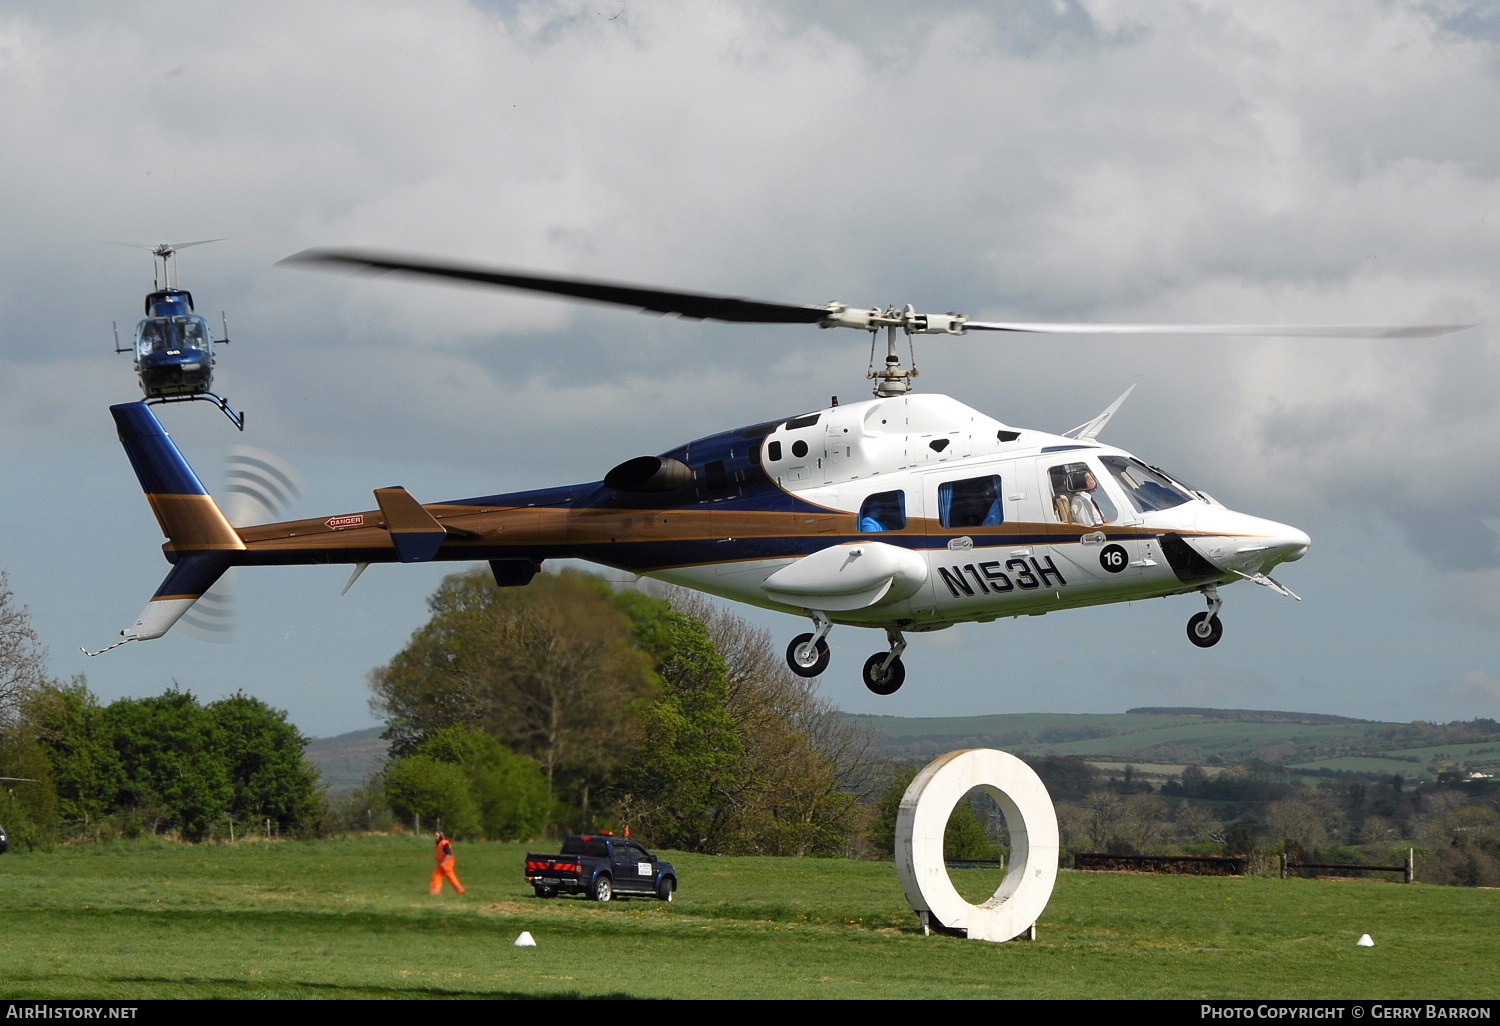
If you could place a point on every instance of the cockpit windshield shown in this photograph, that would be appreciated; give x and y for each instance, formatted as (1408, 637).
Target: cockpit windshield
(1147, 489)
(185, 331)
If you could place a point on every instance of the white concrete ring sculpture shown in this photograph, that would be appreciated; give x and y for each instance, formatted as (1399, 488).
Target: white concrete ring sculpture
(1029, 818)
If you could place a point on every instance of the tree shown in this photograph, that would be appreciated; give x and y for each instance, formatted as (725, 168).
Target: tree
(28, 807)
(73, 729)
(270, 777)
(22, 658)
(174, 773)
(680, 791)
(803, 764)
(419, 787)
(512, 797)
(549, 669)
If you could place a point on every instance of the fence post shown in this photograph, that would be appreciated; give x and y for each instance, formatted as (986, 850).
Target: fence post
(1411, 865)
(1283, 865)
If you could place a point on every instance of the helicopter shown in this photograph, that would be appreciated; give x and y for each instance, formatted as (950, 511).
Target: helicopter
(905, 513)
(173, 346)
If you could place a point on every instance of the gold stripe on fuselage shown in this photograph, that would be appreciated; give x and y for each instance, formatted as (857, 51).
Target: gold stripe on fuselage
(553, 527)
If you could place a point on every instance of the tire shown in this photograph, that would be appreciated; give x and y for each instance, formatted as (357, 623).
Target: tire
(1204, 630)
(546, 892)
(887, 683)
(604, 888)
(665, 888)
(798, 662)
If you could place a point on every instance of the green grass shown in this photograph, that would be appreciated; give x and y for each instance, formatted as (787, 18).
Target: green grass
(352, 919)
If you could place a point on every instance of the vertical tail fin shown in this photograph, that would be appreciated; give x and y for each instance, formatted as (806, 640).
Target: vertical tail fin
(201, 543)
(188, 515)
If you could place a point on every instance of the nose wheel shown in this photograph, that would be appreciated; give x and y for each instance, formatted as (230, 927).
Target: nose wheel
(884, 672)
(1205, 629)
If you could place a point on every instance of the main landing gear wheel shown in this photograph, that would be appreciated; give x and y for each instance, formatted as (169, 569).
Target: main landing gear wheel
(806, 659)
(1204, 630)
(887, 681)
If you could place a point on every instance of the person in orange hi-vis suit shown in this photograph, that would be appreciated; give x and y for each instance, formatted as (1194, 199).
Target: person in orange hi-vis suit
(444, 870)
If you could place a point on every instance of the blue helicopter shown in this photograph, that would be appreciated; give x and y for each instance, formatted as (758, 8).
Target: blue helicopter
(173, 346)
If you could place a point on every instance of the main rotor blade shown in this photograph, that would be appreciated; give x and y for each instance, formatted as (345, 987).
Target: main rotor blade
(686, 304)
(1269, 330)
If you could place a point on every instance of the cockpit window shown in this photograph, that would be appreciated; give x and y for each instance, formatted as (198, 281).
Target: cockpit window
(184, 331)
(152, 335)
(883, 511)
(1077, 497)
(1147, 489)
(971, 503)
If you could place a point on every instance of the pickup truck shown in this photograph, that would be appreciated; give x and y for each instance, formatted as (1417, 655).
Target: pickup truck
(601, 866)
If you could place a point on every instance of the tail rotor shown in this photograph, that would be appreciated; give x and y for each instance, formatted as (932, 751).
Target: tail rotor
(261, 485)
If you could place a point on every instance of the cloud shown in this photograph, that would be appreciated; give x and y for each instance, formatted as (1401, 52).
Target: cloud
(1477, 688)
(1199, 161)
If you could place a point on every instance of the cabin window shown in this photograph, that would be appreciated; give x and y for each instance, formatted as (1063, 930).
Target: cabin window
(1147, 489)
(799, 448)
(1077, 497)
(971, 503)
(883, 511)
(715, 476)
(773, 452)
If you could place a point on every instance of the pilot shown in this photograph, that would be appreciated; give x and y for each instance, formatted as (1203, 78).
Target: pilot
(150, 337)
(883, 512)
(1081, 506)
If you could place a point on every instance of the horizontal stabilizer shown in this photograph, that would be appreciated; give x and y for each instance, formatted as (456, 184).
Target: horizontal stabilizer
(415, 532)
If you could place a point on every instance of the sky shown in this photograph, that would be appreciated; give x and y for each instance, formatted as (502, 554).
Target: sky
(1074, 160)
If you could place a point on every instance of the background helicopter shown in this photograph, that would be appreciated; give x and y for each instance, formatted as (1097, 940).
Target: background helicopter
(904, 513)
(173, 346)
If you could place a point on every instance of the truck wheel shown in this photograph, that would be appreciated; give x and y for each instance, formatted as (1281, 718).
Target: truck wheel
(546, 892)
(604, 889)
(665, 889)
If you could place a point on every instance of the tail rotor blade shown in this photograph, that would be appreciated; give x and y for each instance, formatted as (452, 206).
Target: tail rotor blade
(261, 485)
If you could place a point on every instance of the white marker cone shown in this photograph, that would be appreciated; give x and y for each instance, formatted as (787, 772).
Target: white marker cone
(526, 940)
(1364, 941)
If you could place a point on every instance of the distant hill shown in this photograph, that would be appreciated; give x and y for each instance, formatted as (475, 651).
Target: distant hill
(1163, 737)
(1310, 742)
(1252, 715)
(347, 760)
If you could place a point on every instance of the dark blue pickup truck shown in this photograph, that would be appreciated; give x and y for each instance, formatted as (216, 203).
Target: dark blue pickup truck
(601, 866)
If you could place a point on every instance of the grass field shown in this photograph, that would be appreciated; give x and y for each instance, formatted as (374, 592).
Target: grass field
(352, 919)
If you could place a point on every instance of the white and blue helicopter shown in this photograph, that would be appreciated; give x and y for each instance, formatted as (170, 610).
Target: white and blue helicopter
(905, 513)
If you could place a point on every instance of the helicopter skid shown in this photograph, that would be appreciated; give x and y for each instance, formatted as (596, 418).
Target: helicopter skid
(237, 419)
